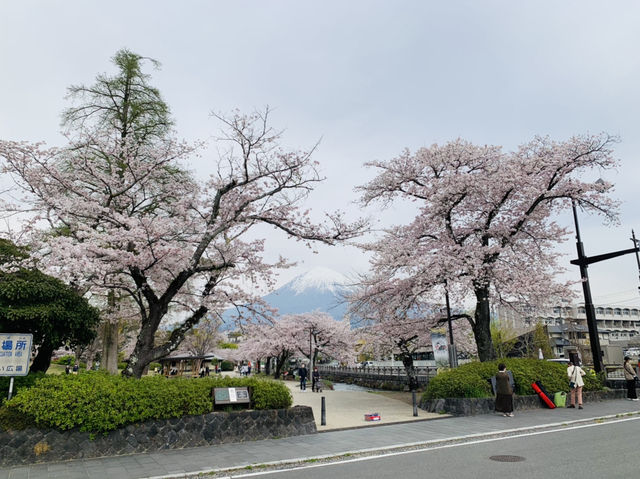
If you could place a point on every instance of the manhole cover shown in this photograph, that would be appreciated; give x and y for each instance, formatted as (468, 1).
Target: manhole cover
(507, 458)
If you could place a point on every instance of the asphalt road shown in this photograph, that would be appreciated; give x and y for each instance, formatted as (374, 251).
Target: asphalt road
(607, 449)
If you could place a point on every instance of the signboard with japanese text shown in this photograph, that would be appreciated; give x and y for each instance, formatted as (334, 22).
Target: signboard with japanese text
(15, 354)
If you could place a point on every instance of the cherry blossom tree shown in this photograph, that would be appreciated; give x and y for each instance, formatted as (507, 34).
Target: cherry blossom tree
(269, 341)
(307, 334)
(134, 222)
(484, 228)
(401, 326)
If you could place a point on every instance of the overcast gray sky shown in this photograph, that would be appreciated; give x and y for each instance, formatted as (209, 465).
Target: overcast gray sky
(368, 77)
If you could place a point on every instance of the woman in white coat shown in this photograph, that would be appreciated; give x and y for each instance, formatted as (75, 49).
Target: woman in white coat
(576, 382)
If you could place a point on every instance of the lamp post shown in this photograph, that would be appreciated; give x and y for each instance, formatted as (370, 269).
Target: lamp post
(583, 262)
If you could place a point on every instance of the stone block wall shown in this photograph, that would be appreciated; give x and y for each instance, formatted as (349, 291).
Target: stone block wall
(473, 406)
(49, 445)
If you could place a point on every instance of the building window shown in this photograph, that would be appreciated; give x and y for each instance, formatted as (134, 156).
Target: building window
(617, 312)
(581, 310)
(599, 311)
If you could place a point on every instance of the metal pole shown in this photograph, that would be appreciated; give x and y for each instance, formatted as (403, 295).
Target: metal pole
(635, 245)
(323, 412)
(588, 301)
(453, 357)
(415, 404)
(10, 388)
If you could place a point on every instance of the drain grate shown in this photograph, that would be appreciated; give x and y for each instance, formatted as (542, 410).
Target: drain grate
(507, 458)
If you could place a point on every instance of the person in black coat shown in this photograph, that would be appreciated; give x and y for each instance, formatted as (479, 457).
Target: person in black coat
(315, 379)
(302, 372)
(504, 392)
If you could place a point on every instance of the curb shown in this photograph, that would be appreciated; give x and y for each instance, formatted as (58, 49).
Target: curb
(418, 444)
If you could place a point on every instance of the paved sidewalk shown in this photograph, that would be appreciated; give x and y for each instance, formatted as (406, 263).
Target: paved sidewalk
(175, 463)
(346, 409)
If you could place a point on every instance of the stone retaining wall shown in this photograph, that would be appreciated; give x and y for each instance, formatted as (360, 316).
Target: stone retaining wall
(473, 406)
(49, 445)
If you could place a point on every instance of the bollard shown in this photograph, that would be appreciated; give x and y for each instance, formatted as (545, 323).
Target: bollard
(415, 404)
(323, 413)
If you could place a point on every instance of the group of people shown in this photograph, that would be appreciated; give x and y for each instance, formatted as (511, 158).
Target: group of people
(68, 369)
(504, 387)
(245, 369)
(315, 378)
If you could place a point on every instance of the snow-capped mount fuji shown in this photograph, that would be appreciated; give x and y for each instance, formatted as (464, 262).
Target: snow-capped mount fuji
(320, 289)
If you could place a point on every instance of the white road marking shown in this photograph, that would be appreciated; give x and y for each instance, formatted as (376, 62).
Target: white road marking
(426, 449)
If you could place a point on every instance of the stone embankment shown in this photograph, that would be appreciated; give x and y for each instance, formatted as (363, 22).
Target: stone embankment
(48, 445)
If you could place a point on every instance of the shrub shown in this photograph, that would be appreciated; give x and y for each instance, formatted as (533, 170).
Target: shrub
(472, 379)
(19, 383)
(99, 402)
(68, 359)
(226, 366)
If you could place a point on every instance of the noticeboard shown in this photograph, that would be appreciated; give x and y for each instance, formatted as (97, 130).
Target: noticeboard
(231, 396)
(15, 354)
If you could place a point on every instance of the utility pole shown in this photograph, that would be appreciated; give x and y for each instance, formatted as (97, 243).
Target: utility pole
(453, 356)
(635, 245)
(583, 262)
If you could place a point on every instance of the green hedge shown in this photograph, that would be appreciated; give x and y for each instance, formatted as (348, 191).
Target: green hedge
(19, 383)
(99, 402)
(226, 366)
(472, 379)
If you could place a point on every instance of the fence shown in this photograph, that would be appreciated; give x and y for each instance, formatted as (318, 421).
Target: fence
(367, 375)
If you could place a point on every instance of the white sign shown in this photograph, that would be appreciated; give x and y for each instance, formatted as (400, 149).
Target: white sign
(233, 397)
(15, 354)
(440, 348)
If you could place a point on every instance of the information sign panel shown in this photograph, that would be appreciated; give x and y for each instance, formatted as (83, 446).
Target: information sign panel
(15, 353)
(231, 395)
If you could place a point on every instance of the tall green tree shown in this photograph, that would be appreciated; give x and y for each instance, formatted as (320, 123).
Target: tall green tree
(125, 107)
(33, 302)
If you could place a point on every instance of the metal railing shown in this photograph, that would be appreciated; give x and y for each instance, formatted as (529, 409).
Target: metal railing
(383, 371)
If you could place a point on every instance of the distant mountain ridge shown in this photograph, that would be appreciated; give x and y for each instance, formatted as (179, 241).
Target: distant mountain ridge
(319, 289)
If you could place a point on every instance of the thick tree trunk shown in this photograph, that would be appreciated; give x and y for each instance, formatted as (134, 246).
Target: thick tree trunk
(267, 366)
(109, 347)
(482, 326)
(281, 360)
(42, 361)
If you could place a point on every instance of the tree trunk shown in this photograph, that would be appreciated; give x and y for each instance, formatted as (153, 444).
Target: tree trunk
(482, 326)
(267, 366)
(109, 347)
(42, 361)
(412, 375)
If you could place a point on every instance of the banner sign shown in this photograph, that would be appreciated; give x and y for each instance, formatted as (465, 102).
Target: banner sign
(15, 354)
(440, 349)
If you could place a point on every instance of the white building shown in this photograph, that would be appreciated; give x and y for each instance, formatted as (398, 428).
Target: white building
(567, 324)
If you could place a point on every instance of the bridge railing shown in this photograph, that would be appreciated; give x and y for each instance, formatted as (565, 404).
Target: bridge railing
(388, 371)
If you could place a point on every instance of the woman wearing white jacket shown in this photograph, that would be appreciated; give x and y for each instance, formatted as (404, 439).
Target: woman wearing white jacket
(576, 382)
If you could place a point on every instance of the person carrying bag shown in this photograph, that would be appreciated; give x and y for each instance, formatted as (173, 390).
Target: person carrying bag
(576, 383)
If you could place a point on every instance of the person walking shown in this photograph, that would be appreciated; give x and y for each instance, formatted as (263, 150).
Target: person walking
(315, 379)
(302, 372)
(576, 383)
(630, 376)
(504, 392)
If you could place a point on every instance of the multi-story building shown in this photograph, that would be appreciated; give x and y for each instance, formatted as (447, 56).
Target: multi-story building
(567, 324)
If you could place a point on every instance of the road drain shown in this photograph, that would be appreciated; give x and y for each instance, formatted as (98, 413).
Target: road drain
(507, 458)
